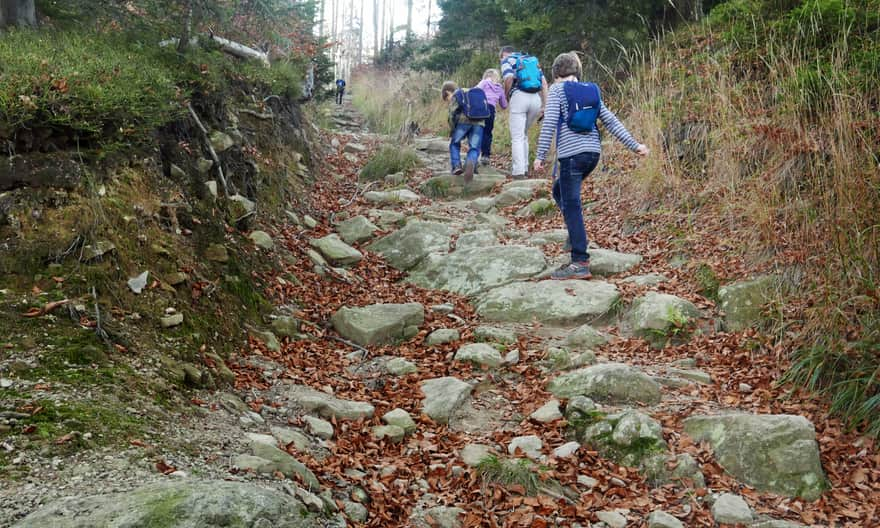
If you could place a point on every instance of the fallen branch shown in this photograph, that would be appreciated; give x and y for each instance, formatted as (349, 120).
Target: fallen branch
(38, 312)
(265, 116)
(211, 150)
(364, 352)
(240, 50)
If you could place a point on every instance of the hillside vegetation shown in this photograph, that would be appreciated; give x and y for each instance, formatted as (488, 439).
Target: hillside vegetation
(764, 116)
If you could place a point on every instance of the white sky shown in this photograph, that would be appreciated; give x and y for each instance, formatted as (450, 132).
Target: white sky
(420, 15)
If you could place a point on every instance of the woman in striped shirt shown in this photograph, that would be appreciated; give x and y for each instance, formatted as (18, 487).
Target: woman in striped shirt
(578, 154)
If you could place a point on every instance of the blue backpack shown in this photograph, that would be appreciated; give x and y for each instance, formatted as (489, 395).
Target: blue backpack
(583, 101)
(473, 103)
(528, 73)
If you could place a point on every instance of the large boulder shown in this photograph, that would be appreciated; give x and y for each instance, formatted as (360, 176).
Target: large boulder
(628, 437)
(607, 262)
(443, 396)
(550, 302)
(471, 271)
(742, 302)
(357, 229)
(608, 382)
(407, 246)
(336, 251)
(201, 504)
(513, 195)
(775, 453)
(659, 314)
(378, 323)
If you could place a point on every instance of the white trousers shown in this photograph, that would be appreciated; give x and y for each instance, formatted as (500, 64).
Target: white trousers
(524, 110)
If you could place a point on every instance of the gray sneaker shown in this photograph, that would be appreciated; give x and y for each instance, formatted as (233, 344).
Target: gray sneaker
(574, 270)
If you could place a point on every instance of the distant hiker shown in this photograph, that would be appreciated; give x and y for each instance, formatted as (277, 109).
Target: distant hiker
(468, 111)
(526, 90)
(495, 96)
(340, 90)
(572, 110)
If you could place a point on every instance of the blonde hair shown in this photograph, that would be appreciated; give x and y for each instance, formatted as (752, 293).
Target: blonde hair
(448, 89)
(567, 64)
(492, 73)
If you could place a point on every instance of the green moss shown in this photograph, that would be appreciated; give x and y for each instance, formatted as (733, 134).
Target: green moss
(164, 511)
(510, 472)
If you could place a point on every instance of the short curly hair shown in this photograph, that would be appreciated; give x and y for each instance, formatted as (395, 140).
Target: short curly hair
(567, 64)
(447, 90)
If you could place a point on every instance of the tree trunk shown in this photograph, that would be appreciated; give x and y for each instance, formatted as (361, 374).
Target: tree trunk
(382, 27)
(321, 20)
(186, 32)
(428, 32)
(391, 25)
(17, 13)
(409, 8)
(375, 29)
(361, 36)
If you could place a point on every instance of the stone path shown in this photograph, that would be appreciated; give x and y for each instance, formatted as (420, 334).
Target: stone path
(464, 239)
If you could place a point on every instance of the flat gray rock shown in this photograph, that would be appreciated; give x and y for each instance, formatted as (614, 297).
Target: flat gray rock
(655, 313)
(395, 197)
(480, 354)
(743, 302)
(186, 504)
(607, 262)
(378, 323)
(550, 302)
(357, 229)
(731, 509)
(476, 239)
(443, 396)
(407, 246)
(327, 405)
(607, 382)
(650, 279)
(441, 336)
(585, 337)
(433, 145)
(449, 186)
(336, 251)
(774, 452)
(471, 271)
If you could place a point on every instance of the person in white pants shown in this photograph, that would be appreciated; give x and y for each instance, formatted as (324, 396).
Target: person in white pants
(525, 109)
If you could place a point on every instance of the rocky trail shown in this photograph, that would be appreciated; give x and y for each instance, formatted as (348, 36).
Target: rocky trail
(421, 370)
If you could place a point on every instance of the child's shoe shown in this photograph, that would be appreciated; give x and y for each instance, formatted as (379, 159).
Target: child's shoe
(574, 270)
(485, 162)
(456, 171)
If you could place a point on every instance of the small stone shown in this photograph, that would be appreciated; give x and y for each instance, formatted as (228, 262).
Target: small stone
(211, 186)
(217, 253)
(177, 172)
(286, 326)
(612, 519)
(354, 148)
(587, 482)
(473, 454)
(311, 501)
(512, 357)
(441, 336)
(480, 354)
(497, 335)
(266, 337)
(355, 511)
(694, 375)
(549, 412)
(261, 239)
(661, 519)
(731, 509)
(220, 141)
(530, 445)
(173, 320)
(443, 308)
(336, 251)
(360, 495)
(204, 165)
(137, 284)
(5, 383)
(579, 407)
(400, 418)
(176, 279)
(318, 427)
(400, 367)
(310, 222)
(566, 450)
(745, 388)
(316, 258)
(286, 437)
(393, 432)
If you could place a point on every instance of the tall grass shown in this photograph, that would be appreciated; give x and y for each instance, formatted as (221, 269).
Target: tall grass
(772, 124)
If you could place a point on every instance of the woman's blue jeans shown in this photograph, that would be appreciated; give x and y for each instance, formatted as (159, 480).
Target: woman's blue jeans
(567, 194)
(474, 135)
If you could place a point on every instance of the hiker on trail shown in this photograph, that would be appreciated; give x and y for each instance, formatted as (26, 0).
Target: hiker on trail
(468, 111)
(495, 96)
(572, 110)
(526, 90)
(340, 90)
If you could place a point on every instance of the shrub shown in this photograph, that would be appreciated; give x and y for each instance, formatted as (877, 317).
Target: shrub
(389, 160)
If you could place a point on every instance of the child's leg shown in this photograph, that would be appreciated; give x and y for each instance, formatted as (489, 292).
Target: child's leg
(458, 134)
(486, 145)
(475, 139)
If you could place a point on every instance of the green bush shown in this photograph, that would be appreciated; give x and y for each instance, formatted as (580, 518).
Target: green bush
(389, 160)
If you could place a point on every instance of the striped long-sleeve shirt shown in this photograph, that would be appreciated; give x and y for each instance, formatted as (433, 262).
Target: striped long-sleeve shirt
(571, 143)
